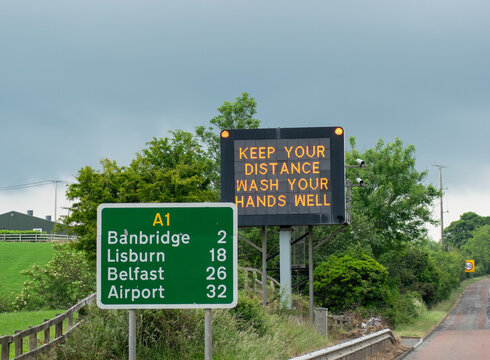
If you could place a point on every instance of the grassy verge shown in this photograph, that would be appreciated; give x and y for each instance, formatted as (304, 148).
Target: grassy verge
(426, 321)
(17, 256)
(244, 333)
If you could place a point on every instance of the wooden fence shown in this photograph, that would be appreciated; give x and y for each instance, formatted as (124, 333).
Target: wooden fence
(40, 237)
(31, 334)
(253, 279)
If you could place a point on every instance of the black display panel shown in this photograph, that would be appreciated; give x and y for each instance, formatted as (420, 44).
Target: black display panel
(284, 176)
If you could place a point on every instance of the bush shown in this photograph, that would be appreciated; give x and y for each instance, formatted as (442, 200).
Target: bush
(345, 282)
(5, 303)
(21, 232)
(413, 269)
(59, 284)
(404, 308)
(250, 313)
(451, 266)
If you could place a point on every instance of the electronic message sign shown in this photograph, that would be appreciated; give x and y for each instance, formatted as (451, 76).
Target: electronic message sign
(174, 255)
(284, 176)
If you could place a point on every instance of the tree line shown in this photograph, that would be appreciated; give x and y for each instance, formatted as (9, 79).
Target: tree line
(382, 262)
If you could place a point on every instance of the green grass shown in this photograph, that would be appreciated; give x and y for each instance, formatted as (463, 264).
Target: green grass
(428, 320)
(17, 256)
(12, 321)
(22, 320)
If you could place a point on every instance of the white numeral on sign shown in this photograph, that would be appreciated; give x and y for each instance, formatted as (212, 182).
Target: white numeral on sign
(221, 291)
(221, 273)
(219, 255)
(217, 273)
(222, 240)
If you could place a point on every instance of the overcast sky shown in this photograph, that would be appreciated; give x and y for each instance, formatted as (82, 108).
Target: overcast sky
(83, 80)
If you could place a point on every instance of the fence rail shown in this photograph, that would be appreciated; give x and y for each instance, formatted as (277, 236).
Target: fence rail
(33, 237)
(45, 327)
(357, 349)
(253, 279)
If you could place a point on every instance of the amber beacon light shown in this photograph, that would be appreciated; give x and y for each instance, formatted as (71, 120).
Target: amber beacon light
(339, 131)
(225, 134)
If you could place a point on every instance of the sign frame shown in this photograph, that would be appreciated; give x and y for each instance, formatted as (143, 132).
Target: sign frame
(336, 180)
(190, 207)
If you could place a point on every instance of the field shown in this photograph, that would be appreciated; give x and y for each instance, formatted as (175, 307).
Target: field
(17, 256)
(10, 322)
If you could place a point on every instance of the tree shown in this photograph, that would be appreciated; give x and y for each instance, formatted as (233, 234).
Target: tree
(478, 248)
(458, 232)
(236, 115)
(172, 169)
(393, 196)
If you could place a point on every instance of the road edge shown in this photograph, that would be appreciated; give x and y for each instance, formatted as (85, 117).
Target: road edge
(433, 329)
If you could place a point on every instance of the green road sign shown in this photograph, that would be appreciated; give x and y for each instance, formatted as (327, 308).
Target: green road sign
(172, 255)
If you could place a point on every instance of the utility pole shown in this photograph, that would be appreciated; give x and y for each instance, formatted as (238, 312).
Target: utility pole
(55, 200)
(442, 207)
(55, 182)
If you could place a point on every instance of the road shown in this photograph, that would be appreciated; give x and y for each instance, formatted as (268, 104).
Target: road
(465, 333)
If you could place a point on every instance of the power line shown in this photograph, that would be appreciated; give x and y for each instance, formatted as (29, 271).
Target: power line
(25, 186)
(37, 184)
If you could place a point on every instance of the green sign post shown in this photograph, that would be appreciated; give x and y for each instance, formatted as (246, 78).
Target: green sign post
(170, 255)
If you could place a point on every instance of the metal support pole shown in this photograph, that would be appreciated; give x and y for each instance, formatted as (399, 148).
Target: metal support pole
(208, 334)
(264, 266)
(310, 273)
(132, 334)
(285, 266)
